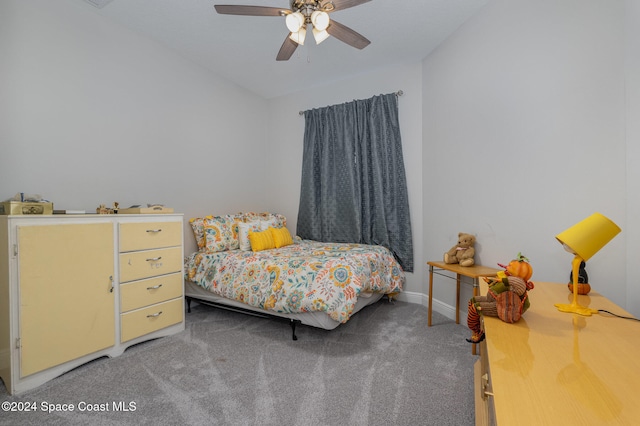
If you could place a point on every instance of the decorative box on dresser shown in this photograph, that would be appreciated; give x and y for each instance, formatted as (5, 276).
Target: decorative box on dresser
(74, 288)
(556, 368)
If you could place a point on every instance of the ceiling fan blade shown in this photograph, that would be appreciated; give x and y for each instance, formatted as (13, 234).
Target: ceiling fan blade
(347, 35)
(288, 47)
(229, 9)
(344, 4)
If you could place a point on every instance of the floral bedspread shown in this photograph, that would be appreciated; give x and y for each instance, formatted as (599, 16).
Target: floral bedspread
(303, 277)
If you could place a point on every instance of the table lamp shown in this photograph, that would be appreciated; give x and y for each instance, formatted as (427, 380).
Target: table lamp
(585, 239)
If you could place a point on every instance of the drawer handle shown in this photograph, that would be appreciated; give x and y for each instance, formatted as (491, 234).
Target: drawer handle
(155, 287)
(154, 230)
(153, 259)
(157, 314)
(484, 386)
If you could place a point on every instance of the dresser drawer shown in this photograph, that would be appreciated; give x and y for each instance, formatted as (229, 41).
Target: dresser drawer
(150, 263)
(138, 294)
(149, 235)
(144, 321)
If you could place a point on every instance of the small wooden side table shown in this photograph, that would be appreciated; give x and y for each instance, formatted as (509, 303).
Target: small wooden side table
(475, 272)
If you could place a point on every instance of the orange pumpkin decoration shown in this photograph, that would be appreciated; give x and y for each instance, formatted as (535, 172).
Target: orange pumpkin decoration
(520, 267)
(583, 288)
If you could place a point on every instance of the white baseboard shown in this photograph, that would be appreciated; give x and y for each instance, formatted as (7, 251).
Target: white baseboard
(423, 299)
(413, 297)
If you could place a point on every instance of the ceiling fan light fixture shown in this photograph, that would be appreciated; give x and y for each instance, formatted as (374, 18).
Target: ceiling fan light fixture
(295, 21)
(320, 36)
(320, 20)
(298, 17)
(299, 35)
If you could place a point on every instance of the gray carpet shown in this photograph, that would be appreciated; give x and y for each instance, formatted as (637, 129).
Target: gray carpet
(383, 367)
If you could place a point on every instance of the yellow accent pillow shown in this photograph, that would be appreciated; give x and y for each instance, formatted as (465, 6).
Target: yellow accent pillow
(281, 236)
(262, 240)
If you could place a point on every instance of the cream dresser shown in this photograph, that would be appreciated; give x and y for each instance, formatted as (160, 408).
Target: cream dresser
(78, 287)
(556, 368)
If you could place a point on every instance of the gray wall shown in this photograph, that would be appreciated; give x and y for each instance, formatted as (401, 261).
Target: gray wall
(525, 116)
(522, 123)
(527, 102)
(92, 113)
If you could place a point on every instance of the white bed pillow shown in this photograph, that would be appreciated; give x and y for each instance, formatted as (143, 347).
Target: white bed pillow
(243, 233)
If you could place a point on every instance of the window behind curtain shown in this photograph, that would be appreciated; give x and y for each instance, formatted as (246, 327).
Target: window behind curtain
(354, 187)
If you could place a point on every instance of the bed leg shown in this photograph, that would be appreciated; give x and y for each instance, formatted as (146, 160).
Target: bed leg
(293, 328)
(188, 300)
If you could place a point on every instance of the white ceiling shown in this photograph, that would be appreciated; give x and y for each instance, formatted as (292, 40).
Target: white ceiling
(243, 48)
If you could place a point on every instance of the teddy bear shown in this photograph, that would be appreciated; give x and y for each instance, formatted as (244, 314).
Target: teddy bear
(463, 252)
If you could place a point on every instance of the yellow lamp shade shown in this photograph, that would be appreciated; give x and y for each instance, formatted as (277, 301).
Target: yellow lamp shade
(587, 237)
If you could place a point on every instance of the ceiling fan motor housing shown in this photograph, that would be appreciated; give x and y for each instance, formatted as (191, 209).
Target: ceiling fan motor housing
(307, 7)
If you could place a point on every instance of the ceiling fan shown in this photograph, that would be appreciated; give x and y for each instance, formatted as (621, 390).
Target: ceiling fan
(301, 14)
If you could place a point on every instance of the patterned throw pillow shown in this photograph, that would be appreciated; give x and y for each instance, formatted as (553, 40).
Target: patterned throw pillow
(272, 222)
(281, 237)
(243, 233)
(197, 225)
(221, 233)
(280, 220)
(253, 216)
(262, 240)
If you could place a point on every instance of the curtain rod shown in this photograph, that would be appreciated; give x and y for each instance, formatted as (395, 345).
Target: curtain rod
(398, 93)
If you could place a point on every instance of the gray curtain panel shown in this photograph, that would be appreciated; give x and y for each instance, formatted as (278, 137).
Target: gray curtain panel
(354, 186)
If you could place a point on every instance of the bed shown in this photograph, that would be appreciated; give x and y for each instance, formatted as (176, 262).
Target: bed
(300, 281)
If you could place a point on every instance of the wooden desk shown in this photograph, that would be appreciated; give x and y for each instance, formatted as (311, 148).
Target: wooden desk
(475, 272)
(555, 368)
